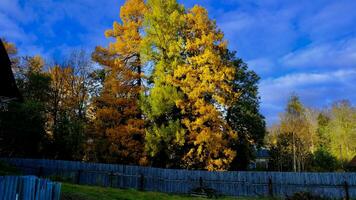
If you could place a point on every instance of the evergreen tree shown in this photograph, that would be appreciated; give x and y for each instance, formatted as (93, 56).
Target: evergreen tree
(244, 115)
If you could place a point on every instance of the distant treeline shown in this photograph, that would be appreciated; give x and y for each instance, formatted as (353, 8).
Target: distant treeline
(308, 139)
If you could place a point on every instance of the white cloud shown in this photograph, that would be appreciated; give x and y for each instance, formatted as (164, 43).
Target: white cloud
(261, 65)
(315, 89)
(330, 21)
(337, 54)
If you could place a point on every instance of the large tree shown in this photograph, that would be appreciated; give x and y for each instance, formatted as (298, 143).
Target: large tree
(163, 50)
(118, 124)
(205, 80)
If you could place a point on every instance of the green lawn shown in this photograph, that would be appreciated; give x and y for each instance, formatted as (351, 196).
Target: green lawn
(80, 192)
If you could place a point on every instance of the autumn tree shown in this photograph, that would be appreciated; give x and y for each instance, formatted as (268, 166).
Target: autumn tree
(293, 147)
(67, 107)
(205, 80)
(163, 50)
(118, 123)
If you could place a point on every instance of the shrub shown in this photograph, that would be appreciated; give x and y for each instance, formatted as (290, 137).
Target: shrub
(305, 196)
(6, 169)
(323, 160)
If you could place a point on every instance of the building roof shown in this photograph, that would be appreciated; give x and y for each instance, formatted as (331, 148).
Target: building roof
(8, 89)
(262, 153)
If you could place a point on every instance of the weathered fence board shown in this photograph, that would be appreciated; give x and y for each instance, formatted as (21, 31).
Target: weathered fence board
(183, 181)
(28, 188)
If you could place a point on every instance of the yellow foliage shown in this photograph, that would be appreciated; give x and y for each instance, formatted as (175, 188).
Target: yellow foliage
(205, 80)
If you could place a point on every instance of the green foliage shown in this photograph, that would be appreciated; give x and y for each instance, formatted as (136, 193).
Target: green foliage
(164, 144)
(324, 161)
(342, 131)
(22, 130)
(281, 153)
(160, 105)
(323, 130)
(244, 116)
(68, 138)
(161, 46)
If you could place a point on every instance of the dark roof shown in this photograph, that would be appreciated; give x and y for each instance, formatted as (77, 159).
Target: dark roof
(262, 153)
(8, 87)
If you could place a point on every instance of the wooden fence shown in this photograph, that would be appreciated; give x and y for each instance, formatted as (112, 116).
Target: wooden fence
(232, 183)
(28, 188)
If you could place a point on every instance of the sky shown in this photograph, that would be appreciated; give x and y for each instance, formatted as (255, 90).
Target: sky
(298, 47)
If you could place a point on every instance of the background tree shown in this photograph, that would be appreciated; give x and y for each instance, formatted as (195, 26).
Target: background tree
(323, 130)
(342, 130)
(281, 151)
(324, 161)
(69, 100)
(23, 124)
(321, 139)
(244, 116)
(295, 136)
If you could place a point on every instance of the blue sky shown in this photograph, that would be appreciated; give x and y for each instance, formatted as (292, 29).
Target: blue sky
(303, 47)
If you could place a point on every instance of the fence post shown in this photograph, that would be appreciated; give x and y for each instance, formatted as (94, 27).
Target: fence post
(78, 176)
(346, 187)
(142, 182)
(270, 187)
(111, 177)
(200, 182)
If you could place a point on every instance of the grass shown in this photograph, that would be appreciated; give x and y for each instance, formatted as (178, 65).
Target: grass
(80, 192)
(6, 169)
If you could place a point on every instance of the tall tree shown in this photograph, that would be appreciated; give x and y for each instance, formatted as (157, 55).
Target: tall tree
(163, 50)
(118, 124)
(205, 80)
